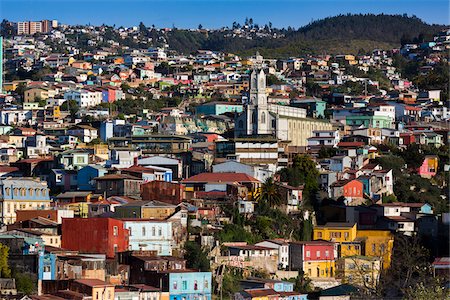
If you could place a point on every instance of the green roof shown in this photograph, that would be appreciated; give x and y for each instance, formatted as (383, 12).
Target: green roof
(340, 290)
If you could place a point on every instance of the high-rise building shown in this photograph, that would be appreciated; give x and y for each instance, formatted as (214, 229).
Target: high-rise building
(32, 27)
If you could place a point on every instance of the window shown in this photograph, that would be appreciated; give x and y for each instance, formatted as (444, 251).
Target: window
(115, 231)
(327, 253)
(8, 191)
(159, 231)
(308, 254)
(346, 235)
(319, 235)
(373, 248)
(143, 230)
(129, 230)
(263, 118)
(318, 253)
(335, 234)
(116, 249)
(175, 285)
(153, 231)
(31, 192)
(184, 285)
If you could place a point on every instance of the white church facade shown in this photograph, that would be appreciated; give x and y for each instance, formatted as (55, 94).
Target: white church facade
(286, 123)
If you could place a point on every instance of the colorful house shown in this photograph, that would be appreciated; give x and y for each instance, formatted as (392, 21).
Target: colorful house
(20, 194)
(153, 235)
(183, 284)
(359, 270)
(86, 176)
(351, 189)
(315, 258)
(377, 243)
(429, 166)
(95, 235)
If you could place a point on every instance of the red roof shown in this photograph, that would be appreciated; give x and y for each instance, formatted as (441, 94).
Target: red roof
(351, 144)
(93, 282)
(8, 169)
(261, 292)
(221, 177)
(441, 261)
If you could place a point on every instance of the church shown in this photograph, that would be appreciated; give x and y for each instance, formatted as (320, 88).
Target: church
(285, 123)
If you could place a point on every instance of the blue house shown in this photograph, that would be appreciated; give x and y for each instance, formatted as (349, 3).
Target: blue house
(86, 177)
(315, 108)
(189, 285)
(46, 266)
(218, 108)
(366, 184)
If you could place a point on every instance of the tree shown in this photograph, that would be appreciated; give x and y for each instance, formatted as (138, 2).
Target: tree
(432, 289)
(25, 283)
(303, 171)
(6, 29)
(20, 90)
(269, 193)
(5, 271)
(307, 230)
(71, 106)
(413, 156)
(196, 257)
(409, 266)
(327, 152)
(303, 283)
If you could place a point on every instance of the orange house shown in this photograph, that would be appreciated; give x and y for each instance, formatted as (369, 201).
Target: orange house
(351, 189)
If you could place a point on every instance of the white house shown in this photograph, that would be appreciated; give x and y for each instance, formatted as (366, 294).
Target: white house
(84, 98)
(283, 251)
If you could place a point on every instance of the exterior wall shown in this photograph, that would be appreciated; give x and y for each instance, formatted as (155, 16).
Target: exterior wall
(319, 269)
(378, 243)
(338, 234)
(359, 270)
(283, 252)
(150, 235)
(168, 192)
(22, 194)
(86, 176)
(429, 167)
(189, 285)
(157, 213)
(353, 189)
(95, 235)
(299, 130)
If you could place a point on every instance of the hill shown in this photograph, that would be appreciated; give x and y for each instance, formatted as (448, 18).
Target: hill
(333, 35)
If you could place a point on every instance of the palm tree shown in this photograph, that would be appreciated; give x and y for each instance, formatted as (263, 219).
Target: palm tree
(269, 193)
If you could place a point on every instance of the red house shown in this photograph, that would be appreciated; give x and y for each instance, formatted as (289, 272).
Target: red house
(169, 192)
(349, 189)
(94, 235)
(408, 138)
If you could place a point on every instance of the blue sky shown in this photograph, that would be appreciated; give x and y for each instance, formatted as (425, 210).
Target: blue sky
(212, 13)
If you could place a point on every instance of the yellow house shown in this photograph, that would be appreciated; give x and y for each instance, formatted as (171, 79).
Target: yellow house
(359, 270)
(10, 86)
(350, 248)
(336, 232)
(157, 210)
(378, 243)
(56, 112)
(32, 94)
(319, 268)
(372, 243)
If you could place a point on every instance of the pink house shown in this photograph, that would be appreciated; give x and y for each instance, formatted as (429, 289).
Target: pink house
(429, 166)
